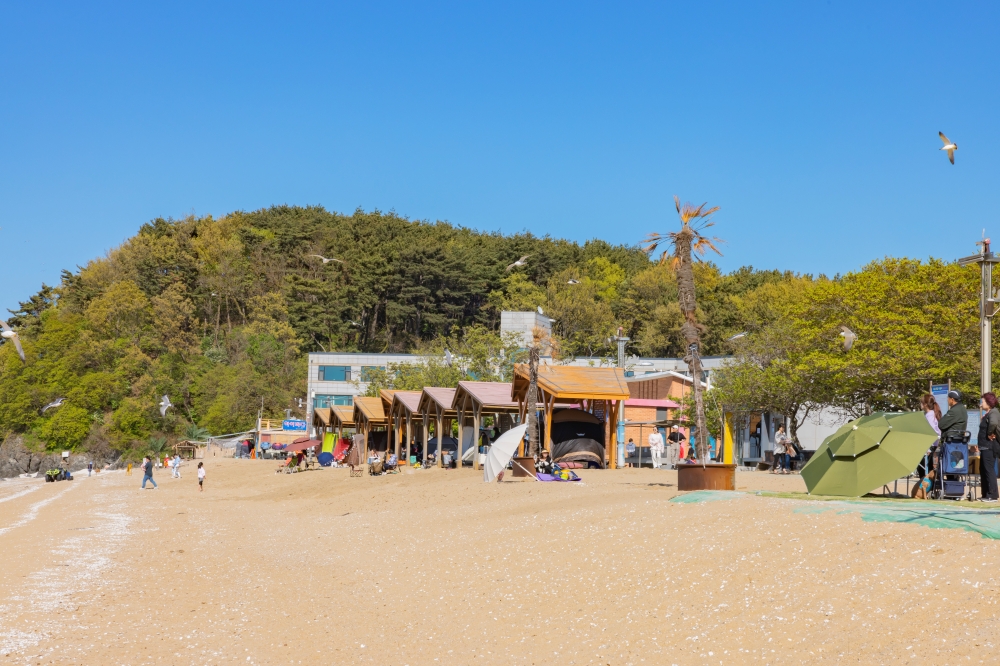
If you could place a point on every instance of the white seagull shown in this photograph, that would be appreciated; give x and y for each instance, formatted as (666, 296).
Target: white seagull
(950, 146)
(517, 264)
(165, 404)
(737, 337)
(325, 260)
(447, 358)
(849, 337)
(572, 282)
(55, 403)
(9, 334)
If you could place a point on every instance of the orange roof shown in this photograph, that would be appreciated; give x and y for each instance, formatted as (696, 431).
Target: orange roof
(369, 410)
(341, 415)
(437, 398)
(386, 395)
(569, 383)
(408, 401)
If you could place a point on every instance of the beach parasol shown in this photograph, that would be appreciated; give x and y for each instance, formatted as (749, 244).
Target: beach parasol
(502, 451)
(867, 453)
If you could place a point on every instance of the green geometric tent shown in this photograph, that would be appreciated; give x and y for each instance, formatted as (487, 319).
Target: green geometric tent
(868, 453)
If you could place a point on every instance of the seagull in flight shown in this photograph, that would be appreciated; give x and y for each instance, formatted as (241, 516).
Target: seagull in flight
(7, 333)
(849, 337)
(517, 264)
(55, 403)
(165, 404)
(950, 146)
(325, 260)
(737, 337)
(572, 282)
(447, 358)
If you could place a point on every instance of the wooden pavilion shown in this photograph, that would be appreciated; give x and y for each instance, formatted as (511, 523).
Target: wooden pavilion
(473, 399)
(405, 405)
(341, 416)
(601, 391)
(435, 403)
(368, 415)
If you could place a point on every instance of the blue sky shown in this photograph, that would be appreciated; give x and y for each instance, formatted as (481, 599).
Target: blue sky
(812, 124)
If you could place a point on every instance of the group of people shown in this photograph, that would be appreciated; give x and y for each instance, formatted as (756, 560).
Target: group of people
(147, 472)
(951, 426)
(784, 452)
(668, 453)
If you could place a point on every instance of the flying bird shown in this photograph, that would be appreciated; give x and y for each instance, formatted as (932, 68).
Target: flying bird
(165, 404)
(950, 146)
(849, 337)
(520, 262)
(540, 311)
(572, 282)
(55, 403)
(737, 337)
(9, 334)
(325, 260)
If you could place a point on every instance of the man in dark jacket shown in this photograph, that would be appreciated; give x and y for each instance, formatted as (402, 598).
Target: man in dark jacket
(957, 418)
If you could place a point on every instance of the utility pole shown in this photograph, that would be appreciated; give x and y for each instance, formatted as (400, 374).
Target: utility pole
(987, 308)
(620, 426)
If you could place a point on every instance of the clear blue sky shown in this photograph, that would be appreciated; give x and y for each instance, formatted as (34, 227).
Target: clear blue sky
(813, 124)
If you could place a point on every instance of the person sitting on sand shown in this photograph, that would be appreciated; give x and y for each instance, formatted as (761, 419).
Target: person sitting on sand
(543, 463)
(431, 460)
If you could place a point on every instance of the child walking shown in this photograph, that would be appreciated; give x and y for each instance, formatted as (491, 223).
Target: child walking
(201, 477)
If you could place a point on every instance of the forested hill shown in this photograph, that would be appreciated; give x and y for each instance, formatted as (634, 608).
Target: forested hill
(218, 313)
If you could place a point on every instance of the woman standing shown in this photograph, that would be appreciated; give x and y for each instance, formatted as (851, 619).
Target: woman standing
(988, 449)
(932, 411)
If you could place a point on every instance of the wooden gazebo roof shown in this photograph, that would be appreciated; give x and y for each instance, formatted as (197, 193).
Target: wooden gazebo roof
(408, 402)
(341, 415)
(487, 396)
(437, 399)
(568, 384)
(321, 417)
(369, 410)
(386, 396)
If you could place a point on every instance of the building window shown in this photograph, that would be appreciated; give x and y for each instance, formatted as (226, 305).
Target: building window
(335, 373)
(323, 401)
(367, 371)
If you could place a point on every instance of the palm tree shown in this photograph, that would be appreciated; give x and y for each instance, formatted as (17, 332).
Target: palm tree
(196, 433)
(688, 245)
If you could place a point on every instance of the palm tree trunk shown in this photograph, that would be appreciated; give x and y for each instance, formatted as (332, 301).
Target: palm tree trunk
(532, 400)
(689, 329)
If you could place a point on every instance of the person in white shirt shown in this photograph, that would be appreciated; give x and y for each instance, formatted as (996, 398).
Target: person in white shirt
(656, 448)
(201, 477)
(176, 466)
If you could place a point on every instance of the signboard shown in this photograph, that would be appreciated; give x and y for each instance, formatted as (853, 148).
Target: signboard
(940, 393)
(973, 426)
(293, 424)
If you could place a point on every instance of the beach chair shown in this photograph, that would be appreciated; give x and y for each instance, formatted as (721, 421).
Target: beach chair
(391, 465)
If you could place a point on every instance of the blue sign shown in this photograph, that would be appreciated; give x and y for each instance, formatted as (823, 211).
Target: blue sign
(293, 424)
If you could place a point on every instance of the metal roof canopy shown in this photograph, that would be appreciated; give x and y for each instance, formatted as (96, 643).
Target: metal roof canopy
(369, 412)
(402, 408)
(435, 403)
(321, 417)
(488, 396)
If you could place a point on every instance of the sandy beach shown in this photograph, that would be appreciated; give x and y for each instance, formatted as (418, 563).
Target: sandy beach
(436, 567)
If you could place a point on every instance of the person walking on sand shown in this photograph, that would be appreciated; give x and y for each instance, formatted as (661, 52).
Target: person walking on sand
(90, 468)
(656, 448)
(147, 472)
(201, 477)
(176, 466)
(128, 470)
(780, 444)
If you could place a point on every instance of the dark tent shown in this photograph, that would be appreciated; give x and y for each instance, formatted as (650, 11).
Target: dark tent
(577, 436)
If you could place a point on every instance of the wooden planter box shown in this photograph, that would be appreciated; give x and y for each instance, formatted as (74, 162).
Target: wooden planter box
(525, 464)
(714, 476)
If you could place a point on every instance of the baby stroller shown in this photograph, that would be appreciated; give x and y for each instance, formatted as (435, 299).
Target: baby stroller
(953, 467)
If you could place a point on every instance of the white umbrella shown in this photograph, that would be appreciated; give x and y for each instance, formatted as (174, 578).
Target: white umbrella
(502, 451)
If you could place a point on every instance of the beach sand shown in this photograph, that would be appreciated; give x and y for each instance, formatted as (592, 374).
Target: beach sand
(437, 567)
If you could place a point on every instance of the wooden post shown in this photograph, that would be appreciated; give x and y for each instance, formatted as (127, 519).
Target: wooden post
(394, 427)
(409, 437)
(439, 428)
(426, 437)
(461, 437)
(612, 415)
(549, 402)
(476, 415)
(364, 449)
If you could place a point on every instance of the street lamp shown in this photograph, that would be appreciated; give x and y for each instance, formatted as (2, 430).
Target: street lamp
(987, 308)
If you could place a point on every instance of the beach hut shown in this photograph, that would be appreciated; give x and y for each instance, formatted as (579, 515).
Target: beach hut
(405, 405)
(435, 404)
(598, 391)
(369, 416)
(474, 399)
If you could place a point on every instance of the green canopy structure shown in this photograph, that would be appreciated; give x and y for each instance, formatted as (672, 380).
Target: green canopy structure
(867, 453)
